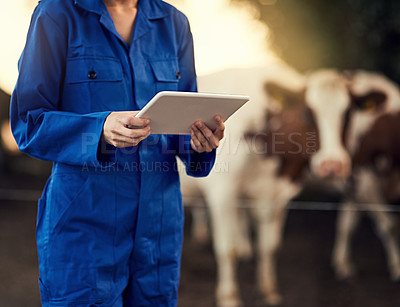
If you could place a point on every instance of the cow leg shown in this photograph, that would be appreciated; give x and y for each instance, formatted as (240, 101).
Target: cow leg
(199, 227)
(386, 227)
(194, 201)
(243, 245)
(221, 204)
(270, 219)
(347, 221)
(270, 214)
(369, 190)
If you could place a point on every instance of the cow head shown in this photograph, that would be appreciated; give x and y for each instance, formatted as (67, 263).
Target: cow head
(323, 116)
(328, 99)
(373, 95)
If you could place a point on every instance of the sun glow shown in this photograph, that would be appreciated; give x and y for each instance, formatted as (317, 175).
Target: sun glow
(226, 35)
(14, 22)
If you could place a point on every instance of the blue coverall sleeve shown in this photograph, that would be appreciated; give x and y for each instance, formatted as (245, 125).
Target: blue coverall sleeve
(197, 164)
(40, 126)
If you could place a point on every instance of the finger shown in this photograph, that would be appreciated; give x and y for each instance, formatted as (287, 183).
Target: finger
(141, 138)
(195, 140)
(135, 132)
(212, 140)
(196, 148)
(131, 140)
(130, 136)
(132, 121)
(199, 136)
(219, 131)
(121, 141)
(122, 144)
(202, 139)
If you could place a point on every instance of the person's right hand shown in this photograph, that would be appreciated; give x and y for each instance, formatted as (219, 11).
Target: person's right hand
(123, 129)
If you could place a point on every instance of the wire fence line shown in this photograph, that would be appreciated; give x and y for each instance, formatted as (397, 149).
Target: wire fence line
(26, 195)
(246, 203)
(20, 195)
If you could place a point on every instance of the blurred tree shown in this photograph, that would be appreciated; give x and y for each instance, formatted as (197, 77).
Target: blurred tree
(345, 34)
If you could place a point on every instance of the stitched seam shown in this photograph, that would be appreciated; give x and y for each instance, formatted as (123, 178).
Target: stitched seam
(58, 26)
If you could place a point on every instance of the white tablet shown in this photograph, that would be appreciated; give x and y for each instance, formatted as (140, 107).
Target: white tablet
(175, 112)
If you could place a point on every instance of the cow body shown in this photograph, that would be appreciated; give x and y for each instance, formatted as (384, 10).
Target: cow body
(374, 142)
(327, 107)
(229, 182)
(356, 119)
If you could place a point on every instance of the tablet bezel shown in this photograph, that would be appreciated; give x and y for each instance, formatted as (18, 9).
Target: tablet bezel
(223, 104)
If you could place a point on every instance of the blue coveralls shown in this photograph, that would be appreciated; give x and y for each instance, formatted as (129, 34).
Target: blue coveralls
(110, 221)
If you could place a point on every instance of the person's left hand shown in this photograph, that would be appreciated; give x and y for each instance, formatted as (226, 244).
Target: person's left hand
(205, 140)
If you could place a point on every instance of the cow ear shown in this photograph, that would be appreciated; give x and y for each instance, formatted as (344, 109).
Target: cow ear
(373, 101)
(283, 97)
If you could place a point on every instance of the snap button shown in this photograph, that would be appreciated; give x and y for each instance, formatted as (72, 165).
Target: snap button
(178, 75)
(92, 75)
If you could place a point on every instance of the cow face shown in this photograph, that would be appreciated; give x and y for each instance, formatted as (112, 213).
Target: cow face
(322, 117)
(373, 96)
(290, 133)
(328, 98)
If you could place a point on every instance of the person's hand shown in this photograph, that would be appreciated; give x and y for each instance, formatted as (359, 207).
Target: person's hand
(205, 140)
(123, 129)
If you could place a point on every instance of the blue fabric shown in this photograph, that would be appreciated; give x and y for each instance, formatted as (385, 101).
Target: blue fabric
(110, 221)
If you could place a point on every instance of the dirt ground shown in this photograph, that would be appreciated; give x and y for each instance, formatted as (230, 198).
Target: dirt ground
(304, 271)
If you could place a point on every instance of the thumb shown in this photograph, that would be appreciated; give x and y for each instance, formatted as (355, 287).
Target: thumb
(219, 131)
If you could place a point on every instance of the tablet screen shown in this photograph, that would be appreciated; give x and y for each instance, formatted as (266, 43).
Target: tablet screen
(175, 112)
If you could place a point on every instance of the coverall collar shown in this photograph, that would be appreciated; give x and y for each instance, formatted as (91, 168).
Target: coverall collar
(151, 9)
(148, 10)
(90, 5)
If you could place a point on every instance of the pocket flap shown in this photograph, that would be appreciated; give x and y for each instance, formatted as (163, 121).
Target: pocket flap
(165, 70)
(89, 69)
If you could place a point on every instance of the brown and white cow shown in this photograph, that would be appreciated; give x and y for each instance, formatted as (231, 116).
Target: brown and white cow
(356, 118)
(229, 181)
(316, 121)
(374, 144)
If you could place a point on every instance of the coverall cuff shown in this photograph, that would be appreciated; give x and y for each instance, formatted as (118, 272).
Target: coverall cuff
(106, 153)
(200, 164)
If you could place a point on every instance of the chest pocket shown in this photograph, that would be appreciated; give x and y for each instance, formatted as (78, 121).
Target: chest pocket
(96, 83)
(87, 69)
(166, 73)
